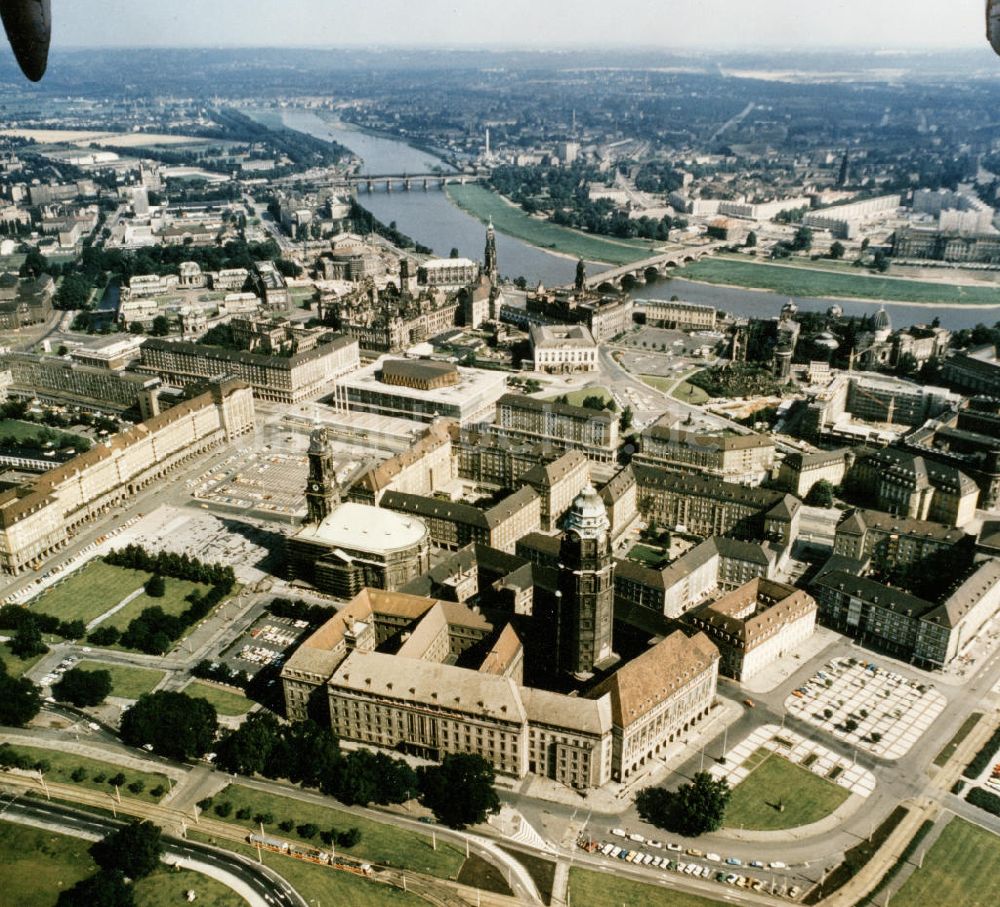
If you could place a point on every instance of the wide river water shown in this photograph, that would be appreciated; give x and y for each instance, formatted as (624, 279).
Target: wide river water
(431, 219)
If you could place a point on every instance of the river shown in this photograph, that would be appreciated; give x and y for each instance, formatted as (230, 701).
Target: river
(431, 219)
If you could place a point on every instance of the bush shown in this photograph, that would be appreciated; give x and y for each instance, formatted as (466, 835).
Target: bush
(104, 636)
(155, 586)
(984, 757)
(137, 786)
(263, 819)
(243, 812)
(286, 825)
(223, 809)
(117, 780)
(78, 774)
(307, 830)
(984, 800)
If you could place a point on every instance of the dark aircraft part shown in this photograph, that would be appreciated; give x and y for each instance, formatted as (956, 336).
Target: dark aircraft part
(993, 23)
(29, 28)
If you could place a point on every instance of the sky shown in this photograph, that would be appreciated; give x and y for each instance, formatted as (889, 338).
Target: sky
(729, 24)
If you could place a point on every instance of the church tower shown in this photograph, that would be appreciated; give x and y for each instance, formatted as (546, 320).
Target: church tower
(490, 264)
(586, 588)
(322, 494)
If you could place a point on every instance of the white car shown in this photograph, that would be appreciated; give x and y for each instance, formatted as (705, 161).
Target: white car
(777, 864)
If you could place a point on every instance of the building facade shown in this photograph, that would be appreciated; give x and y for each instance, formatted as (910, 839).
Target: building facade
(561, 425)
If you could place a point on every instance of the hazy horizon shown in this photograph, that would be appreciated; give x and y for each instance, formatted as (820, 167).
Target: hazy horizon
(686, 25)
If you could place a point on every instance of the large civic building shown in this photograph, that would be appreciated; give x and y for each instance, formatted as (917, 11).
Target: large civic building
(558, 425)
(288, 378)
(422, 391)
(38, 519)
(743, 459)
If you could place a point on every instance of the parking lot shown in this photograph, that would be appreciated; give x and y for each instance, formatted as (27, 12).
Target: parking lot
(265, 644)
(867, 706)
(669, 858)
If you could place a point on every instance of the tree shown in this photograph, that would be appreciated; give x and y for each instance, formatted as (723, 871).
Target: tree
(160, 327)
(581, 276)
(803, 240)
(881, 261)
(693, 809)
(821, 495)
(174, 724)
(837, 250)
(454, 252)
(83, 688)
(105, 889)
(155, 586)
(133, 850)
(247, 750)
(27, 641)
(751, 242)
(625, 420)
(907, 365)
(460, 790)
(19, 700)
(702, 804)
(74, 293)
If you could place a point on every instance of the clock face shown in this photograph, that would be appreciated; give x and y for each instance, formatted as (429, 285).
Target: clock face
(315, 487)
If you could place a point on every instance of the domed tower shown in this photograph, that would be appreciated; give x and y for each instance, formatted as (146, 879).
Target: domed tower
(586, 588)
(491, 264)
(322, 494)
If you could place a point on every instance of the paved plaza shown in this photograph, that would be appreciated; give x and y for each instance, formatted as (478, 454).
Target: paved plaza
(866, 706)
(202, 535)
(798, 750)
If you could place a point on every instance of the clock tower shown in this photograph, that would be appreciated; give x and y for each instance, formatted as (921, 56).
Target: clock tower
(322, 494)
(586, 596)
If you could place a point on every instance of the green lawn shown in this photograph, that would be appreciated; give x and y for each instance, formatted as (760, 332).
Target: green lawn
(485, 204)
(126, 682)
(98, 587)
(62, 766)
(380, 843)
(319, 885)
(807, 798)
(29, 431)
(16, 666)
(36, 865)
(962, 868)
(600, 889)
(89, 592)
(576, 398)
(226, 702)
(690, 393)
(648, 557)
(797, 281)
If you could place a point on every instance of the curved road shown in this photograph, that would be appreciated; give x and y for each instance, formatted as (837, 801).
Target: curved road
(264, 885)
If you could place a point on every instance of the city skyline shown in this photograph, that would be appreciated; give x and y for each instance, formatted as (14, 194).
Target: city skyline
(684, 24)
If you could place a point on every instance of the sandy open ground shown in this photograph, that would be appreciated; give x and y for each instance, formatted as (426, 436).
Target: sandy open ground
(84, 138)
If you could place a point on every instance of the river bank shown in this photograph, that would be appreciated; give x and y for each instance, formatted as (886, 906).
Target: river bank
(816, 283)
(486, 205)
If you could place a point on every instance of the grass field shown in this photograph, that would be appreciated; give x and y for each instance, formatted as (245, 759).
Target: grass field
(380, 843)
(648, 557)
(16, 666)
(226, 702)
(62, 766)
(98, 587)
(576, 398)
(796, 281)
(36, 865)
(963, 867)
(484, 205)
(22, 431)
(807, 798)
(690, 393)
(956, 741)
(599, 889)
(324, 886)
(126, 682)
